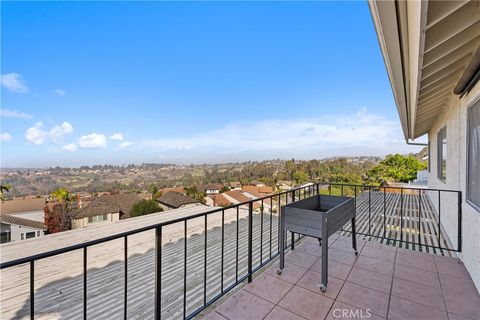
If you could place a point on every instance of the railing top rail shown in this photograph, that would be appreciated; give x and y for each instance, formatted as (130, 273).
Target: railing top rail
(389, 187)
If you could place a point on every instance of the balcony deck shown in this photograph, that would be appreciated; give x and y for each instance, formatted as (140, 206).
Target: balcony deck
(59, 279)
(384, 281)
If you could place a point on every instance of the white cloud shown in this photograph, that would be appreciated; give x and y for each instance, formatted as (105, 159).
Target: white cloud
(37, 135)
(72, 147)
(116, 136)
(60, 92)
(14, 82)
(92, 141)
(124, 144)
(5, 136)
(362, 132)
(6, 113)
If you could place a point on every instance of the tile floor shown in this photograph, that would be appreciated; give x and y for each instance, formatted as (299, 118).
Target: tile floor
(382, 282)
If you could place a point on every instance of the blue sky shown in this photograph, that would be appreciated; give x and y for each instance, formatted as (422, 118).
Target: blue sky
(126, 82)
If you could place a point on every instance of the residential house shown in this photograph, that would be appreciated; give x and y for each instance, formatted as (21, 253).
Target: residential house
(258, 191)
(14, 228)
(104, 209)
(175, 200)
(284, 185)
(431, 51)
(219, 200)
(235, 185)
(211, 188)
(257, 183)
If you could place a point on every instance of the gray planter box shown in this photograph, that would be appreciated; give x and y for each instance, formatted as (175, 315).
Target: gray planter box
(319, 216)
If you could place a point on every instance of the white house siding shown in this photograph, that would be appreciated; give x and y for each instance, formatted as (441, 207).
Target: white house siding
(83, 222)
(16, 231)
(454, 118)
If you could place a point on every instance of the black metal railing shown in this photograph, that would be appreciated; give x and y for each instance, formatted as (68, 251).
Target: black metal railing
(381, 213)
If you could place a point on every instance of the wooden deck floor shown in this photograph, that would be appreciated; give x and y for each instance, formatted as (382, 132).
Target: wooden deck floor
(59, 280)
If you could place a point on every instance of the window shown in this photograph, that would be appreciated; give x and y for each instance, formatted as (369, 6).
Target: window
(22, 236)
(473, 155)
(38, 233)
(30, 234)
(5, 237)
(99, 218)
(442, 154)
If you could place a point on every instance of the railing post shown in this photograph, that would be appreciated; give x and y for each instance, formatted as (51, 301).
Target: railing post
(32, 289)
(401, 215)
(439, 219)
(125, 283)
(84, 283)
(369, 209)
(292, 244)
(185, 270)
(419, 217)
(250, 239)
(384, 213)
(158, 273)
(459, 240)
(205, 259)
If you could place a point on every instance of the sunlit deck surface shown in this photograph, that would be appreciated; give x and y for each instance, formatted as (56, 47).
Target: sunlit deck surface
(384, 281)
(59, 279)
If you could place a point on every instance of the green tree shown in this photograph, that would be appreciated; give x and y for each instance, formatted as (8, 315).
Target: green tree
(300, 176)
(396, 167)
(4, 188)
(144, 207)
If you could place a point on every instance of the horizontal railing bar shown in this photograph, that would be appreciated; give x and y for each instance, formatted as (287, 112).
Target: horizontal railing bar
(388, 187)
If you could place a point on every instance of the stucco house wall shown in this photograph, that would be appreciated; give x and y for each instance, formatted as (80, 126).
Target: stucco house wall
(454, 117)
(83, 222)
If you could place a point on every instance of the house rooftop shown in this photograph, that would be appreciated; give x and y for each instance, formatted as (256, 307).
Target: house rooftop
(175, 199)
(111, 203)
(11, 219)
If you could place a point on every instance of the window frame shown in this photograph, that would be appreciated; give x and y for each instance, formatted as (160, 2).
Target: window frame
(474, 205)
(440, 154)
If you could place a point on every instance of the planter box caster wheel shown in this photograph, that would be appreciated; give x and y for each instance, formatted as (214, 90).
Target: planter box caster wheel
(323, 288)
(279, 271)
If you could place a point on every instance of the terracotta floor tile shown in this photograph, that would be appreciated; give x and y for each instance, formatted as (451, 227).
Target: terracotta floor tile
(452, 316)
(364, 298)
(452, 267)
(268, 288)
(401, 309)
(312, 279)
(244, 305)
(461, 296)
(379, 254)
(309, 248)
(335, 269)
(300, 259)
(419, 276)
(418, 293)
(292, 273)
(342, 256)
(346, 245)
(371, 264)
(341, 310)
(382, 246)
(411, 259)
(279, 313)
(370, 279)
(306, 303)
(213, 315)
